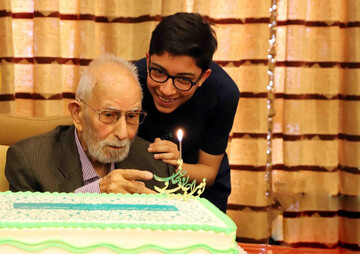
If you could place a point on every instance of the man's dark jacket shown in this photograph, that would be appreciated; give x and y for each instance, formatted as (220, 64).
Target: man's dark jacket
(50, 162)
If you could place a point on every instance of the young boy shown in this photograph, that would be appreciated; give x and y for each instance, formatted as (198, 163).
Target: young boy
(184, 89)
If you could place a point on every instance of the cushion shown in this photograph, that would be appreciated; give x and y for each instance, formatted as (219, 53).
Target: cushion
(15, 128)
(4, 185)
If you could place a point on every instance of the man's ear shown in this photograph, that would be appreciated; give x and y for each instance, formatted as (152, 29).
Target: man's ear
(76, 114)
(204, 77)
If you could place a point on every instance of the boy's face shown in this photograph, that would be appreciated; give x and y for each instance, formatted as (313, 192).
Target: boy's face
(166, 97)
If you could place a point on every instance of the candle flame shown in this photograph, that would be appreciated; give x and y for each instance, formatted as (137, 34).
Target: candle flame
(180, 135)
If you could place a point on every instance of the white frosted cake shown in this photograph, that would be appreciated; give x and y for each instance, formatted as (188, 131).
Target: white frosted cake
(112, 223)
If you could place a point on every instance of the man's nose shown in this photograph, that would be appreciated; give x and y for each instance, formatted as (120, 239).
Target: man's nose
(120, 128)
(167, 88)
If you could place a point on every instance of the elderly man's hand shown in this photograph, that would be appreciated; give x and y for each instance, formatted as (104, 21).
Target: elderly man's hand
(125, 181)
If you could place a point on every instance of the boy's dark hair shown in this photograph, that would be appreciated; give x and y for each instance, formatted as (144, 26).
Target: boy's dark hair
(185, 34)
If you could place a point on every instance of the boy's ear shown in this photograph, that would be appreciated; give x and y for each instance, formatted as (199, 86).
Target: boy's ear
(205, 75)
(76, 114)
(147, 59)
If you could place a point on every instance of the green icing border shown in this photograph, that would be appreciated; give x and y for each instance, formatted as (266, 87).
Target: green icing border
(231, 227)
(74, 249)
(222, 216)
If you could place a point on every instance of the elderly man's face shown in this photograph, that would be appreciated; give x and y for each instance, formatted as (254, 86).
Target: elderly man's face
(116, 89)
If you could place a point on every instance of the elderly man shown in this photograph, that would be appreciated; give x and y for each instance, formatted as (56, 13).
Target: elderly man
(100, 152)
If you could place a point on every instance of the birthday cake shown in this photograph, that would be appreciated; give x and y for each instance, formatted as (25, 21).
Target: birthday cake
(112, 223)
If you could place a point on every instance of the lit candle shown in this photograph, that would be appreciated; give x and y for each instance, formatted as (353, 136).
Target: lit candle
(180, 137)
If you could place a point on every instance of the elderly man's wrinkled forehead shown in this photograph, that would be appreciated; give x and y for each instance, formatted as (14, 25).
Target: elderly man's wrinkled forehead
(108, 74)
(107, 70)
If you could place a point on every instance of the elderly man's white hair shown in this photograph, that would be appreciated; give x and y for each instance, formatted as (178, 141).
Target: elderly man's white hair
(88, 77)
